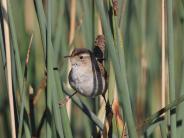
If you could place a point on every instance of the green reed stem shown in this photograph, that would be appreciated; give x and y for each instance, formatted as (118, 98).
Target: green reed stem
(170, 38)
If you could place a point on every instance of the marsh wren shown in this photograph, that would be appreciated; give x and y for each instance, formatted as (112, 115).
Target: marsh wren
(88, 75)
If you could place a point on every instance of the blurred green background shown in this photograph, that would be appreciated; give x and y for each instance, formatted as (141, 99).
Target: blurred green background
(139, 24)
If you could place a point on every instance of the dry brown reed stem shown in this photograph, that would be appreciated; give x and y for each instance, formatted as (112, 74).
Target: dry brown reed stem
(163, 56)
(8, 64)
(29, 15)
(29, 49)
(72, 21)
(100, 32)
(119, 120)
(71, 39)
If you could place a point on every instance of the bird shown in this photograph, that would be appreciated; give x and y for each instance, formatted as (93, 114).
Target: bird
(88, 75)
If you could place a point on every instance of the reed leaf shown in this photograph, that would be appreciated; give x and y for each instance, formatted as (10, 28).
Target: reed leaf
(120, 72)
(170, 38)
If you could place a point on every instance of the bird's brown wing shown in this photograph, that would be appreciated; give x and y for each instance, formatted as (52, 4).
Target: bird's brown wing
(103, 72)
(99, 48)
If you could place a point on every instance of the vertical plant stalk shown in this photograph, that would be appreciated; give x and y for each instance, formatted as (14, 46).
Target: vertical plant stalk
(20, 73)
(163, 102)
(99, 26)
(71, 38)
(24, 88)
(122, 12)
(143, 66)
(171, 66)
(8, 61)
(42, 22)
(49, 72)
(120, 71)
(163, 84)
(56, 90)
(72, 21)
(180, 111)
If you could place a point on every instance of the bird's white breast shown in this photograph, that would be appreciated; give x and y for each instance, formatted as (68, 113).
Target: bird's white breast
(86, 80)
(82, 80)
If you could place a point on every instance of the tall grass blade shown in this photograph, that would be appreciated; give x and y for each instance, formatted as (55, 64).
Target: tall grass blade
(42, 22)
(9, 68)
(119, 73)
(50, 78)
(170, 38)
(163, 129)
(19, 73)
(157, 115)
(53, 90)
(24, 111)
(16, 49)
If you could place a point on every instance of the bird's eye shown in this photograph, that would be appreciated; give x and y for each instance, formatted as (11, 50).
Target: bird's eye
(81, 57)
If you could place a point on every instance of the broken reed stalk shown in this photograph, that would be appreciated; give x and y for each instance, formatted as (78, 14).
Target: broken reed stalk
(8, 65)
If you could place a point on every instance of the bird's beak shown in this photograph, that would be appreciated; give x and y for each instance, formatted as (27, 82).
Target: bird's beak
(67, 56)
(101, 59)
